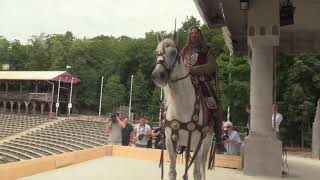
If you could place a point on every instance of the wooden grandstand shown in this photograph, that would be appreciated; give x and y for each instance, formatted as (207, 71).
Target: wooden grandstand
(38, 136)
(36, 92)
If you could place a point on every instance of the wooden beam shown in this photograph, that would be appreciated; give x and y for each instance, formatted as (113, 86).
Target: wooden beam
(225, 161)
(15, 170)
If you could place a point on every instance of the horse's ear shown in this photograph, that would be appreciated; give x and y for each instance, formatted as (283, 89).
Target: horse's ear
(159, 37)
(175, 38)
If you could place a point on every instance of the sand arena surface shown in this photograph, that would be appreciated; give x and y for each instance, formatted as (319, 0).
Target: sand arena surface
(118, 168)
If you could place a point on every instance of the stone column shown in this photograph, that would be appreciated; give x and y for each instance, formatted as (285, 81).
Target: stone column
(19, 106)
(262, 148)
(11, 108)
(316, 134)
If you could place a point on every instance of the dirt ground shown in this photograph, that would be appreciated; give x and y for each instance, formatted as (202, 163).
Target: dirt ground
(118, 168)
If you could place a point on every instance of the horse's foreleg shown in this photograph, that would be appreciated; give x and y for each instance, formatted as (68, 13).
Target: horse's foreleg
(206, 148)
(173, 158)
(197, 166)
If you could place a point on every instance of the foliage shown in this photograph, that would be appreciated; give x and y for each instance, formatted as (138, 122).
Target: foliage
(117, 58)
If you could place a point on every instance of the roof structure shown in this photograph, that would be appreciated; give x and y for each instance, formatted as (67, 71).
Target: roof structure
(39, 75)
(302, 36)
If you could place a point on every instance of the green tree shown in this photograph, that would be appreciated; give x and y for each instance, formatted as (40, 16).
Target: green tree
(18, 56)
(4, 50)
(298, 99)
(140, 94)
(114, 93)
(154, 105)
(39, 56)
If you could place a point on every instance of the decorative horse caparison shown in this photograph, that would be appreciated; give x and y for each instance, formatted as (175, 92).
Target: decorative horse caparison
(181, 104)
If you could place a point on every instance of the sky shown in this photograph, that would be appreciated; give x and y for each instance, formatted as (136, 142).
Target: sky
(21, 19)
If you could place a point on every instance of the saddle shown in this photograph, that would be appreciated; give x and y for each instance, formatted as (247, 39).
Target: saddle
(208, 101)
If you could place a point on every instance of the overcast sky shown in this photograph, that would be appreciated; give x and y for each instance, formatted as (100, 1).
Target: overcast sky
(20, 19)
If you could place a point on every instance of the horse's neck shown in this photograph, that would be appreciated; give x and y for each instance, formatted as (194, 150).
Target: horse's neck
(180, 95)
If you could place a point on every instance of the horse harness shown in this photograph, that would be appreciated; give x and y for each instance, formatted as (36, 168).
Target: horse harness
(191, 126)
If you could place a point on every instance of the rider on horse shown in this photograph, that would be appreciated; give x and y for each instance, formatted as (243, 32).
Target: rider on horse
(200, 59)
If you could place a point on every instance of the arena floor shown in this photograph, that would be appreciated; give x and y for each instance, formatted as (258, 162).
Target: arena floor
(118, 168)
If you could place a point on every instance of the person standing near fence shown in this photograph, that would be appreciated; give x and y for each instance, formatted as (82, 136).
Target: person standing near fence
(248, 110)
(276, 118)
(114, 129)
(127, 130)
(232, 141)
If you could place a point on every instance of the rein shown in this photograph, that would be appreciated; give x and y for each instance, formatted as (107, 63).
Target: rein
(178, 79)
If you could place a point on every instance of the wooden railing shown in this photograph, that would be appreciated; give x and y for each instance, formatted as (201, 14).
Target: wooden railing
(25, 96)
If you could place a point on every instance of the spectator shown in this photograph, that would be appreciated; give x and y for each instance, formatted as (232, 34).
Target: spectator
(158, 135)
(114, 129)
(232, 141)
(276, 118)
(248, 109)
(150, 139)
(127, 130)
(142, 133)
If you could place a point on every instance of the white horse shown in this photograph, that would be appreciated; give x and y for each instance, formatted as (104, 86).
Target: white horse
(171, 74)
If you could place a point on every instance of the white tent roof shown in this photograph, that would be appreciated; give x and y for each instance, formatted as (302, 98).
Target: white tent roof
(29, 75)
(37, 75)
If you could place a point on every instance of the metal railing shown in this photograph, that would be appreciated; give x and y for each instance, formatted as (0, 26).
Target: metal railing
(25, 96)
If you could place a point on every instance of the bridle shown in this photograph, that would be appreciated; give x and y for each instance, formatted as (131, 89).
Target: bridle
(162, 61)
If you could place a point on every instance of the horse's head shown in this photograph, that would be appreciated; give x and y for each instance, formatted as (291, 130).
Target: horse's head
(167, 55)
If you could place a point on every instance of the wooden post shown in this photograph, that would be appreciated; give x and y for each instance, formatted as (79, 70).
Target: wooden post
(34, 105)
(20, 87)
(11, 108)
(42, 107)
(6, 87)
(19, 106)
(4, 106)
(36, 87)
(26, 103)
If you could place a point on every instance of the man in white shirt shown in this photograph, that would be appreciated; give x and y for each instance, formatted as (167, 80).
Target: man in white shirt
(276, 118)
(142, 133)
(232, 140)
